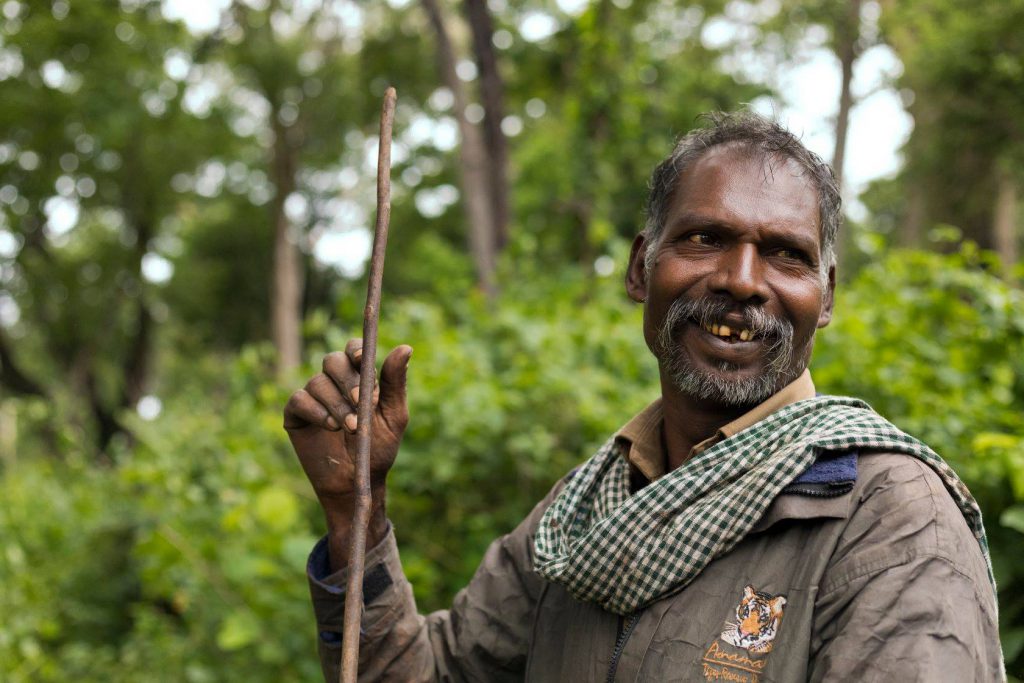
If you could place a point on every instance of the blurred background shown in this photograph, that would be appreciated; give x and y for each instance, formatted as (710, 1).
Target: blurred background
(186, 189)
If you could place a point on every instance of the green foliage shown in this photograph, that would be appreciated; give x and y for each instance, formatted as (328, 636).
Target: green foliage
(620, 84)
(222, 302)
(184, 562)
(93, 126)
(187, 557)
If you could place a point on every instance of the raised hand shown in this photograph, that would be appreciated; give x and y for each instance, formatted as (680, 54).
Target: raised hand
(320, 420)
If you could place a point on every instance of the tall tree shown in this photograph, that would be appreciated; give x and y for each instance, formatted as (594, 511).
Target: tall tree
(305, 85)
(268, 63)
(847, 40)
(288, 274)
(616, 84)
(962, 64)
(1005, 220)
(846, 43)
(476, 179)
(492, 95)
(88, 165)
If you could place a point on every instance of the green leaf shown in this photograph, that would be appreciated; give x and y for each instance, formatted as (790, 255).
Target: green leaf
(238, 630)
(277, 508)
(1013, 518)
(986, 441)
(1012, 641)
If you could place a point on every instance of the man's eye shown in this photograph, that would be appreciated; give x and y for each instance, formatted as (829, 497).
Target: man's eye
(792, 254)
(701, 238)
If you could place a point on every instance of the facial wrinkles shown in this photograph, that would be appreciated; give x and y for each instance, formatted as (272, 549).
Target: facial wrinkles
(766, 191)
(774, 332)
(825, 260)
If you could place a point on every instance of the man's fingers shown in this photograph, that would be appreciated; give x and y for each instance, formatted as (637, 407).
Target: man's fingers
(338, 366)
(354, 351)
(326, 392)
(343, 372)
(303, 410)
(392, 384)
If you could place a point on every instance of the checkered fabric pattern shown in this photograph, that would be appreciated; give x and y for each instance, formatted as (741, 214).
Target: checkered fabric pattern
(624, 551)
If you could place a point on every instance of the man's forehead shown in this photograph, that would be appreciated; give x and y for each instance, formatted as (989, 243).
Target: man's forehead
(725, 171)
(730, 157)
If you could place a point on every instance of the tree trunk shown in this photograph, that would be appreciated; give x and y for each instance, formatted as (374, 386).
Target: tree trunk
(911, 231)
(106, 421)
(846, 34)
(288, 276)
(1004, 224)
(8, 434)
(595, 68)
(476, 193)
(12, 377)
(137, 361)
(492, 92)
(846, 50)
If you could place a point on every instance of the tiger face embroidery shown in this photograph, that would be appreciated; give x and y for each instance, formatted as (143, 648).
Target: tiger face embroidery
(757, 621)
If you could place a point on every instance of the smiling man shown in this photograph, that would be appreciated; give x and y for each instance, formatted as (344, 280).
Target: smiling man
(736, 271)
(740, 528)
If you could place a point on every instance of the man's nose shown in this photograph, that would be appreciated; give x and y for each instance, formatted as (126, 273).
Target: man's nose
(740, 275)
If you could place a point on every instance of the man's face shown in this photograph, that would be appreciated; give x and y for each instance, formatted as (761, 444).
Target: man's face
(734, 293)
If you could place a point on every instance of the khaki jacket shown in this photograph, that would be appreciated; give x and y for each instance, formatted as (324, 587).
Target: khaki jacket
(882, 583)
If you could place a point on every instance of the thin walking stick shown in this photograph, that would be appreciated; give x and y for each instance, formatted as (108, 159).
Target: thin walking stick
(367, 380)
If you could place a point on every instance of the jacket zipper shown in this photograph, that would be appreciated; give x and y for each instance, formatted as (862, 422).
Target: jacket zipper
(620, 645)
(833, 490)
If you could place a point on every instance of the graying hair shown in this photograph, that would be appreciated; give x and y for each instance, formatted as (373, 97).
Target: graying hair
(758, 135)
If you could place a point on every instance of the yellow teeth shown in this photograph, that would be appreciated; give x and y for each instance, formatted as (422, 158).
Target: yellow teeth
(726, 331)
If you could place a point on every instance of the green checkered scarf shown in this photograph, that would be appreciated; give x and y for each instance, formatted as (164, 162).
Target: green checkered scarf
(624, 551)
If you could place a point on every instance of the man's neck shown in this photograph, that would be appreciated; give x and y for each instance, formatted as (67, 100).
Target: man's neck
(688, 421)
(683, 423)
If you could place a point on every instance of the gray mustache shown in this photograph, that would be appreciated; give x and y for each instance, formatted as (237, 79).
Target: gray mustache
(707, 311)
(774, 333)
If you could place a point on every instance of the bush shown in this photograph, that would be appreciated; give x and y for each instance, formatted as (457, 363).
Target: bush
(182, 562)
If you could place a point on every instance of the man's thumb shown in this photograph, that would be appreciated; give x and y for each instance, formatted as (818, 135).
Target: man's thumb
(392, 379)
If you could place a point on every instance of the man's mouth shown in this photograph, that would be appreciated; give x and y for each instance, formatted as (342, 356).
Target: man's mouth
(739, 357)
(727, 333)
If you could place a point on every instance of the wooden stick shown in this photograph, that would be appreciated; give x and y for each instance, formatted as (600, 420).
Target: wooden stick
(367, 381)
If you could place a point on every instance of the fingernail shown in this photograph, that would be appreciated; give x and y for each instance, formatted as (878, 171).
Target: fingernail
(331, 422)
(357, 354)
(354, 394)
(351, 422)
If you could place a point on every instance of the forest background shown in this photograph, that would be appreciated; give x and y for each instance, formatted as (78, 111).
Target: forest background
(183, 233)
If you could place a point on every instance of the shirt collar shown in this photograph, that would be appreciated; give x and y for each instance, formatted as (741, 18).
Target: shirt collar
(642, 443)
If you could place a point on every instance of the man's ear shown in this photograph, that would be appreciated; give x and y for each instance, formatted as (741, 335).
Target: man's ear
(636, 273)
(825, 317)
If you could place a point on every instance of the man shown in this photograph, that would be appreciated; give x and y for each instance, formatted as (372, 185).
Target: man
(740, 528)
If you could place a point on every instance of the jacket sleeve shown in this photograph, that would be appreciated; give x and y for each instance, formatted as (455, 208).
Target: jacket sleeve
(907, 595)
(483, 637)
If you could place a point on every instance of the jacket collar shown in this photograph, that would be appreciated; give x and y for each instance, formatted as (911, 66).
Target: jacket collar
(823, 491)
(641, 439)
(791, 507)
